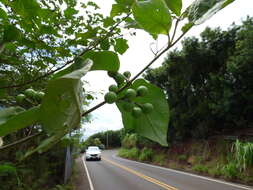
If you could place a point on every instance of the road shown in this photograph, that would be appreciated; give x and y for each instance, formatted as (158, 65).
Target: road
(114, 173)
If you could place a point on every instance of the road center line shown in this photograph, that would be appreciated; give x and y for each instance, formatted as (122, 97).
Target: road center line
(150, 179)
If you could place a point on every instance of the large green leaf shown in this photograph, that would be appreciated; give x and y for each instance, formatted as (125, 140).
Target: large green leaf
(175, 6)
(153, 16)
(14, 118)
(103, 60)
(201, 10)
(61, 108)
(153, 125)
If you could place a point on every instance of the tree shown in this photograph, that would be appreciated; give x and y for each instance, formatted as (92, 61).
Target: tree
(50, 40)
(207, 82)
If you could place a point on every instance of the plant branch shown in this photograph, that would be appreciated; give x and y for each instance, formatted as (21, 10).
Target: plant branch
(137, 75)
(20, 141)
(96, 43)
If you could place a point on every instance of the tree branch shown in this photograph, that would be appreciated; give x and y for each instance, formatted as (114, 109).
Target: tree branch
(96, 43)
(20, 141)
(137, 75)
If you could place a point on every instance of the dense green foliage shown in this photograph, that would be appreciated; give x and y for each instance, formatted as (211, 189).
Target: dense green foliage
(209, 82)
(110, 138)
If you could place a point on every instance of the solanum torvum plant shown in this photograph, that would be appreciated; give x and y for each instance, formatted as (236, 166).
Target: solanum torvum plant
(60, 43)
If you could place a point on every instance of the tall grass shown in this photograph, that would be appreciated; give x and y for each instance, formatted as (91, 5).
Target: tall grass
(243, 154)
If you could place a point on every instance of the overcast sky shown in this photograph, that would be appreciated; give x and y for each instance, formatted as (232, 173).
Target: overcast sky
(139, 54)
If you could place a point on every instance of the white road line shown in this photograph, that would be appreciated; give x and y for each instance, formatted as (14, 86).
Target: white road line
(185, 173)
(88, 175)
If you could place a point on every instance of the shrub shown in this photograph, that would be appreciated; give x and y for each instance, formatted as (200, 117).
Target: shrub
(146, 154)
(130, 141)
(230, 170)
(182, 158)
(200, 168)
(215, 172)
(159, 159)
(243, 154)
(132, 153)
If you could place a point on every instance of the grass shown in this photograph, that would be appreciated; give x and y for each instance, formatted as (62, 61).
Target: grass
(200, 168)
(146, 154)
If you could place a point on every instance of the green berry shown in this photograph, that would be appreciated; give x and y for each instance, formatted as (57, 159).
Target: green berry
(130, 93)
(127, 74)
(39, 95)
(119, 78)
(147, 108)
(142, 90)
(127, 106)
(113, 88)
(20, 98)
(136, 112)
(111, 73)
(30, 92)
(110, 97)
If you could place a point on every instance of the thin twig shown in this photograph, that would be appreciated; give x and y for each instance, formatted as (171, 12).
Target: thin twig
(174, 32)
(96, 43)
(20, 141)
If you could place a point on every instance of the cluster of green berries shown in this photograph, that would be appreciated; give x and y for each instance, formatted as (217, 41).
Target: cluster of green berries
(31, 94)
(129, 105)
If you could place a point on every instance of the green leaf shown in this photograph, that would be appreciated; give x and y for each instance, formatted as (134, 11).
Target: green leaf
(175, 6)
(61, 107)
(153, 125)
(105, 44)
(187, 27)
(13, 119)
(121, 45)
(69, 12)
(118, 9)
(201, 10)
(103, 60)
(3, 14)
(153, 16)
(11, 33)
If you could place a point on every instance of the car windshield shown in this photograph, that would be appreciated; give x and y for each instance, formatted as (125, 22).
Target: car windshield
(93, 148)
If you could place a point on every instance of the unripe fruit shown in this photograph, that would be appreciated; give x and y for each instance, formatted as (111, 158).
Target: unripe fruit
(113, 88)
(111, 73)
(130, 93)
(128, 107)
(136, 112)
(127, 74)
(40, 95)
(20, 98)
(30, 92)
(119, 78)
(142, 90)
(110, 97)
(147, 108)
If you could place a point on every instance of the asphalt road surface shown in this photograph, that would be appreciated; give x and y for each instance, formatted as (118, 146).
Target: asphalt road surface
(114, 173)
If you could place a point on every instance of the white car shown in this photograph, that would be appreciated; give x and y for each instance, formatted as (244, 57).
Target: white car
(93, 153)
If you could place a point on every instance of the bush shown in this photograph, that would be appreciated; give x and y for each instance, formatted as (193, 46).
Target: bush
(200, 168)
(230, 170)
(182, 158)
(146, 154)
(132, 153)
(214, 172)
(130, 141)
(243, 154)
(159, 159)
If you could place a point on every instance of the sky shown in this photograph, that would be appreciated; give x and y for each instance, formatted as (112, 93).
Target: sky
(139, 54)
